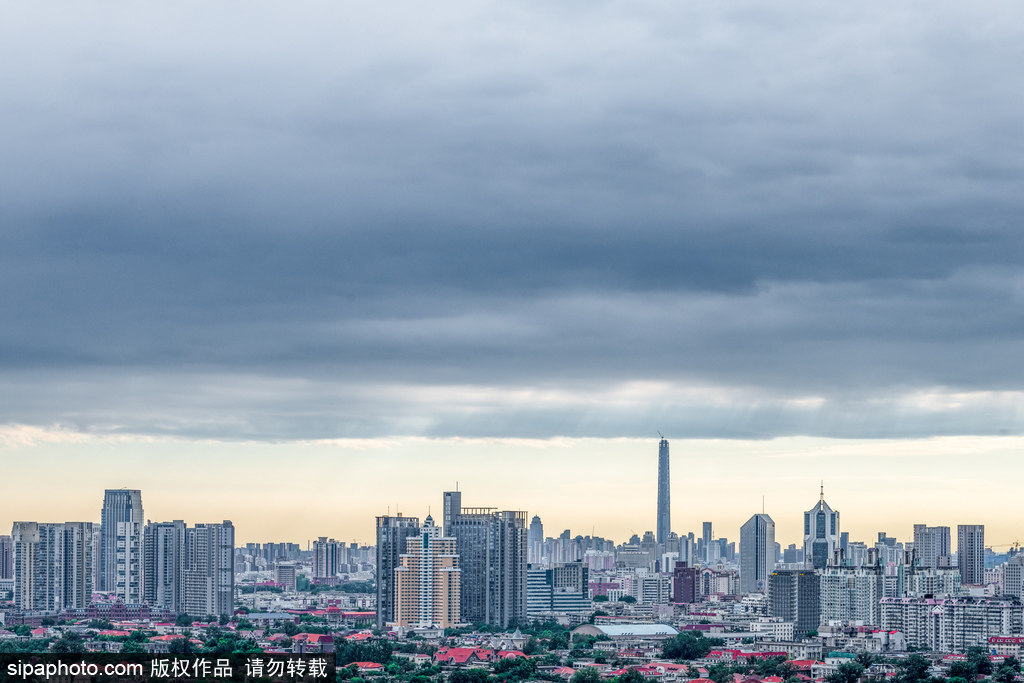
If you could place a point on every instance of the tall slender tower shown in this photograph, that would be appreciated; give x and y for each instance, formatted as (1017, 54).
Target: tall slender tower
(664, 525)
(120, 544)
(821, 533)
(970, 553)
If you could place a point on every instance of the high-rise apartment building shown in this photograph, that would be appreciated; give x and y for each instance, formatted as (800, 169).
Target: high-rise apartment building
(164, 556)
(821, 534)
(852, 593)
(52, 565)
(970, 553)
(428, 580)
(684, 584)
(952, 624)
(492, 549)
(328, 556)
(210, 569)
(120, 544)
(705, 541)
(190, 570)
(392, 532)
(1013, 577)
(664, 522)
(6, 557)
(757, 553)
(794, 595)
(932, 547)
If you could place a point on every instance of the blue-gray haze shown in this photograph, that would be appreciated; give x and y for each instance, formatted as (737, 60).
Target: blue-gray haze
(735, 219)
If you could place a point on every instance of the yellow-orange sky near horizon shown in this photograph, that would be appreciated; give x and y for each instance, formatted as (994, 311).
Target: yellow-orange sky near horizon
(296, 491)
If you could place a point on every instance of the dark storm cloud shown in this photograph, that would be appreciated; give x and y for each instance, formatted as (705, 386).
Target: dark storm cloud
(290, 224)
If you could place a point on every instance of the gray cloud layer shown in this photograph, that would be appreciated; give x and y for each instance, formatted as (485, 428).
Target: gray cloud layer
(509, 219)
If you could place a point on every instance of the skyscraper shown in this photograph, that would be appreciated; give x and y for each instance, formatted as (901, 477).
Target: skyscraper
(757, 553)
(821, 534)
(6, 557)
(210, 569)
(492, 549)
(536, 540)
(705, 539)
(664, 525)
(428, 580)
(120, 561)
(189, 570)
(451, 506)
(970, 553)
(794, 595)
(52, 565)
(391, 535)
(163, 572)
(328, 556)
(932, 546)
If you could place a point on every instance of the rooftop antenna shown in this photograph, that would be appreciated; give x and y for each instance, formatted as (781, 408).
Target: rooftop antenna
(659, 433)
(822, 490)
(762, 504)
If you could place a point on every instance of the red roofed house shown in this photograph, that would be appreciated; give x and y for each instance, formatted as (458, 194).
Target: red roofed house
(312, 642)
(463, 656)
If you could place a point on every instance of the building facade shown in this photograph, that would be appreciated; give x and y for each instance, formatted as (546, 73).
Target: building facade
(492, 549)
(851, 593)
(563, 588)
(52, 565)
(428, 580)
(970, 553)
(794, 595)
(6, 557)
(120, 544)
(190, 570)
(392, 532)
(821, 534)
(757, 553)
(951, 625)
(932, 546)
(664, 521)
(328, 557)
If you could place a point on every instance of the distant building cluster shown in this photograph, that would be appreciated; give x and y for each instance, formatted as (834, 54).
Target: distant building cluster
(494, 567)
(54, 567)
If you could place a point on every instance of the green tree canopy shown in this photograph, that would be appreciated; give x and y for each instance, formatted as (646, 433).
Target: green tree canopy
(688, 645)
(847, 672)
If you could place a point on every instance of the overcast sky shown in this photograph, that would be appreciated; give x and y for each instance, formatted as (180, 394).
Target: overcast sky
(740, 220)
(533, 219)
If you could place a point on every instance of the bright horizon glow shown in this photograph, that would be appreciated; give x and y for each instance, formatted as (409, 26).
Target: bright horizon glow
(297, 491)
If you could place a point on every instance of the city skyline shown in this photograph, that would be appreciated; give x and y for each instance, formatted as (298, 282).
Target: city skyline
(869, 502)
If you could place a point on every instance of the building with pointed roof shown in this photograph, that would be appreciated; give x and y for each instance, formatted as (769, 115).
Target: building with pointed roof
(821, 533)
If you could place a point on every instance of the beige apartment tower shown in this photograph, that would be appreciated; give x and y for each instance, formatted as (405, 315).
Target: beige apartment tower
(427, 581)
